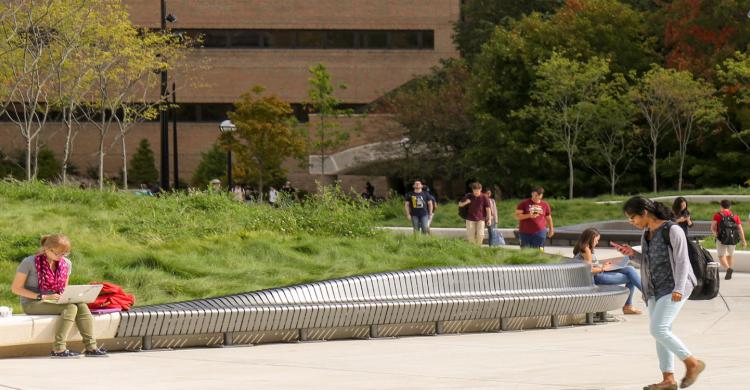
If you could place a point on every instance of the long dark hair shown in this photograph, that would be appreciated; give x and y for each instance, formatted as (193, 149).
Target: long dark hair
(638, 205)
(586, 239)
(677, 205)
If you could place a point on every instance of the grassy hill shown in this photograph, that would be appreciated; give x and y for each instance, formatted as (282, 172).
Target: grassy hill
(181, 247)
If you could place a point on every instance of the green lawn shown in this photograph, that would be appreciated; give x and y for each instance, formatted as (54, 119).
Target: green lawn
(179, 247)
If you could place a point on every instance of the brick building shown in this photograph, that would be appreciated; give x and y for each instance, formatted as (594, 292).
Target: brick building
(372, 46)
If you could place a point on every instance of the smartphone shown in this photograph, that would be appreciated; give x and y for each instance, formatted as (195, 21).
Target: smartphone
(616, 245)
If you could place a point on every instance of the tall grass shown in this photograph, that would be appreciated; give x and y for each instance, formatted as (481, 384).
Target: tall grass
(181, 247)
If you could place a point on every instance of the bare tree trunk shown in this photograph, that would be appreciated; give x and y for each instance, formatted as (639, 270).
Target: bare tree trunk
(653, 168)
(570, 168)
(66, 152)
(124, 163)
(682, 165)
(28, 158)
(36, 157)
(101, 162)
(612, 179)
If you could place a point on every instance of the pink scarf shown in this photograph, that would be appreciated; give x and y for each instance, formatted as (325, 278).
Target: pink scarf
(51, 280)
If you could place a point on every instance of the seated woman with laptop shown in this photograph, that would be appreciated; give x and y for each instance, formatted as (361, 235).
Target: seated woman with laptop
(42, 279)
(615, 271)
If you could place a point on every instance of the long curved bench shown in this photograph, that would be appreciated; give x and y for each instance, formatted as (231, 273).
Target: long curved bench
(425, 301)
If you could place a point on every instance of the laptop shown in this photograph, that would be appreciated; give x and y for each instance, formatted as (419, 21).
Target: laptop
(616, 263)
(84, 293)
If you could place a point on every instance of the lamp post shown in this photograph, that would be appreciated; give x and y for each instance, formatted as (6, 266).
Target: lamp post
(228, 127)
(163, 113)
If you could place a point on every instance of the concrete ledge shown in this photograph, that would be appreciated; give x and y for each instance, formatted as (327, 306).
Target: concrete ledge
(40, 329)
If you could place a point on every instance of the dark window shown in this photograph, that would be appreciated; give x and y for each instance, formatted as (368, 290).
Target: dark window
(215, 38)
(340, 39)
(245, 38)
(281, 39)
(428, 39)
(373, 40)
(405, 39)
(311, 39)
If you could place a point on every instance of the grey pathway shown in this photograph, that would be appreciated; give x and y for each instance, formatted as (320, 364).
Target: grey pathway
(614, 356)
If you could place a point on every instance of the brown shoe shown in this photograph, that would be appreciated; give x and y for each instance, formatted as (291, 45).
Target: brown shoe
(629, 309)
(687, 381)
(661, 386)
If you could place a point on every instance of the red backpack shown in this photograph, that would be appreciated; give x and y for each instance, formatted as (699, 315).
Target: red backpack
(112, 296)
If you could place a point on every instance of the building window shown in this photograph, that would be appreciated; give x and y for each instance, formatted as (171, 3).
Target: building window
(315, 39)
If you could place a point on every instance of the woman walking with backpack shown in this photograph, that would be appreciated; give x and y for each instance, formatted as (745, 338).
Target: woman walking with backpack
(667, 282)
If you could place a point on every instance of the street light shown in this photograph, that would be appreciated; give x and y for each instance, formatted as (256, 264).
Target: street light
(163, 114)
(228, 127)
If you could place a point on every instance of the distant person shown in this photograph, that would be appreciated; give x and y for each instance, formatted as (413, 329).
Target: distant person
(682, 215)
(214, 186)
(290, 191)
(494, 239)
(44, 276)
(238, 194)
(273, 195)
(478, 213)
(667, 281)
(727, 228)
(434, 203)
(370, 190)
(534, 220)
(418, 207)
(584, 251)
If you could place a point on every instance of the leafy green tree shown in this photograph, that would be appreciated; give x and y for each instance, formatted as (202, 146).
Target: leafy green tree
(436, 111)
(481, 17)
(266, 135)
(213, 165)
(143, 165)
(328, 134)
(564, 102)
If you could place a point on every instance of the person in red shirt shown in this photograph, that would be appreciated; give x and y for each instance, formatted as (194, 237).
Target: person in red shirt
(534, 220)
(478, 213)
(727, 236)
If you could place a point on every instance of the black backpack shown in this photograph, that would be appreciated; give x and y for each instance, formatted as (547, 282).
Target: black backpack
(463, 212)
(728, 232)
(706, 270)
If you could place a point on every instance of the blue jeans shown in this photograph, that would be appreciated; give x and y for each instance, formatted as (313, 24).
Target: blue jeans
(421, 223)
(533, 240)
(495, 238)
(627, 276)
(662, 313)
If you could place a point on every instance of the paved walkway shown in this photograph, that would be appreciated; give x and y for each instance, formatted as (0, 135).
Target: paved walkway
(613, 356)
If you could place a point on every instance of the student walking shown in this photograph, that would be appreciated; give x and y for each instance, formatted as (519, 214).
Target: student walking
(44, 276)
(534, 220)
(667, 282)
(418, 207)
(584, 251)
(682, 215)
(478, 213)
(727, 228)
(495, 239)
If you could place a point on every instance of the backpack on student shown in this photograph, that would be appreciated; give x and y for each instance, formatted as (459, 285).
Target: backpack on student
(728, 232)
(706, 270)
(463, 212)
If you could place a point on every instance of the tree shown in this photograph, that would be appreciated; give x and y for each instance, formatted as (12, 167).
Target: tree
(694, 107)
(436, 111)
(328, 134)
(266, 135)
(213, 165)
(610, 135)
(563, 101)
(653, 102)
(481, 17)
(143, 165)
(36, 41)
(734, 78)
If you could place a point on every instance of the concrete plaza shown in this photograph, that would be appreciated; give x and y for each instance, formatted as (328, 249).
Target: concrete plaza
(617, 355)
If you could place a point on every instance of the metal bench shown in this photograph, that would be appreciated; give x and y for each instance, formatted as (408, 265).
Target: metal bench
(426, 301)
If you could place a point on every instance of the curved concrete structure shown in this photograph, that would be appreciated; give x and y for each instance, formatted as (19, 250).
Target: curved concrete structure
(352, 158)
(418, 302)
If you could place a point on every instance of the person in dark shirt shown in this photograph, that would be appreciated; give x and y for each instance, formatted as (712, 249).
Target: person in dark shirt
(418, 207)
(682, 215)
(478, 215)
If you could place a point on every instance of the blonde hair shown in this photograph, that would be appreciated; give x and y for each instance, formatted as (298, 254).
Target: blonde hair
(55, 242)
